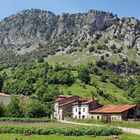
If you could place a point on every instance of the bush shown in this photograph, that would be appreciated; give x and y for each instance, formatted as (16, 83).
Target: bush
(84, 75)
(67, 131)
(35, 109)
(2, 109)
(14, 108)
(104, 78)
(40, 60)
(91, 49)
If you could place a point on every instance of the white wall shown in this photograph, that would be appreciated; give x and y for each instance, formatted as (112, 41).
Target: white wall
(84, 109)
(5, 100)
(114, 117)
(56, 111)
(96, 116)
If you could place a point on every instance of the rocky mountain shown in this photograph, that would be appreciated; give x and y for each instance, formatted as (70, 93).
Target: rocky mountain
(91, 36)
(30, 25)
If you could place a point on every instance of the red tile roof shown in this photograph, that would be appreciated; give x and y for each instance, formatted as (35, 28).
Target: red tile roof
(83, 102)
(5, 95)
(70, 102)
(113, 109)
(62, 97)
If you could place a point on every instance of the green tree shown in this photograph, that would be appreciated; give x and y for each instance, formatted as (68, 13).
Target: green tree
(1, 83)
(25, 88)
(11, 87)
(36, 109)
(84, 75)
(14, 108)
(40, 60)
(136, 95)
(104, 78)
(41, 91)
(2, 110)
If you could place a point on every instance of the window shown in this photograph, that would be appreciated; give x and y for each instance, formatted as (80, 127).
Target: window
(83, 109)
(98, 117)
(75, 109)
(83, 117)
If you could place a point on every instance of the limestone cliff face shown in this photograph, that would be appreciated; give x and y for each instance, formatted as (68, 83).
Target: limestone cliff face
(31, 26)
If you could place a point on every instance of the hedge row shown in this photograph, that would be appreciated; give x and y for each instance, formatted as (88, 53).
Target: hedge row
(28, 119)
(67, 131)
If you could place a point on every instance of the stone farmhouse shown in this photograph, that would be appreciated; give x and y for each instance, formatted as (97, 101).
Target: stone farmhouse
(78, 108)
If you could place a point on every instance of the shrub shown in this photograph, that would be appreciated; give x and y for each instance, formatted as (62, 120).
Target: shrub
(67, 131)
(104, 78)
(35, 109)
(40, 60)
(91, 49)
(14, 108)
(2, 109)
(84, 75)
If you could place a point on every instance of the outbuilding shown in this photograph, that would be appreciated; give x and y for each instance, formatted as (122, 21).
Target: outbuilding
(114, 113)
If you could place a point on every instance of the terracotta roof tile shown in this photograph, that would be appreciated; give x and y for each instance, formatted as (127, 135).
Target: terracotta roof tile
(113, 109)
(83, 101)
(62, 97)
(70, 102)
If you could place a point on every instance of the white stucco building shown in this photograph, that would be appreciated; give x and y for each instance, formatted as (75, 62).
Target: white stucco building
(81, 109)
(63, 106)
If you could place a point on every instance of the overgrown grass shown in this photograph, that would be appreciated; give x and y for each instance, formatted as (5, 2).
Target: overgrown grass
(129, 124)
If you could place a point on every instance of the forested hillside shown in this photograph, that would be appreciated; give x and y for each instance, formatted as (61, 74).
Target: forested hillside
(43, 81)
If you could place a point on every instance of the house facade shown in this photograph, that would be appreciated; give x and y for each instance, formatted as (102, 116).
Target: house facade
(81, 109)
(5, 99)
(63, 106)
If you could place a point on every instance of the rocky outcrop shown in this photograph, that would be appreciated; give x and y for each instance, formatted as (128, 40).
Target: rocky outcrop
(128, 30)
(29, 27)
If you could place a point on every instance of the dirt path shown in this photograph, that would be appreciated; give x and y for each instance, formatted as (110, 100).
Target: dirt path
(35, 124)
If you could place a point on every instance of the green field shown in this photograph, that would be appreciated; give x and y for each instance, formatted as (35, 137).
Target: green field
(38, 137)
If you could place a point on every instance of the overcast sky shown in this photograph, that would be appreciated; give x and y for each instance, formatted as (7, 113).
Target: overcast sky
(123, 8)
